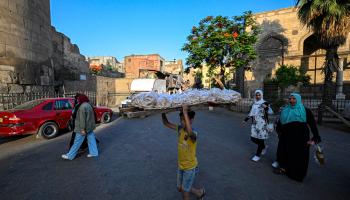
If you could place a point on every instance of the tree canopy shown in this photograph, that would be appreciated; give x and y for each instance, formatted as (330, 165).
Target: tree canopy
(222, 42)
(328, 19)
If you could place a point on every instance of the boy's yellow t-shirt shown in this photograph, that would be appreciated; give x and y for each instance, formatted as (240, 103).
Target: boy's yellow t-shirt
(187, 158)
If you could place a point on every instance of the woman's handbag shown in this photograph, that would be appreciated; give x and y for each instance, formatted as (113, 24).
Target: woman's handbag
(319, 155)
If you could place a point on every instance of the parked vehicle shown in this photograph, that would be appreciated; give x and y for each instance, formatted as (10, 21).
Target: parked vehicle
(44, 117)
(148, 85)
(144, 85)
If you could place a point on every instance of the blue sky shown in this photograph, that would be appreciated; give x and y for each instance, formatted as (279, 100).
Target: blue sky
(123, 27)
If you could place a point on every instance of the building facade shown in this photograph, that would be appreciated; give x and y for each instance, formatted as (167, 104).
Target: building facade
(108, 61)
(285, 41)
(174, 67)
(143, 66)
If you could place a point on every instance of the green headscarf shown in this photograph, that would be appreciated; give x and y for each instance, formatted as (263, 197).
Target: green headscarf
(294, 113)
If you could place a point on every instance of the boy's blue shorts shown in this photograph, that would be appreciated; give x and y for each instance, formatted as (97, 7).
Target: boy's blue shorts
(185, 178)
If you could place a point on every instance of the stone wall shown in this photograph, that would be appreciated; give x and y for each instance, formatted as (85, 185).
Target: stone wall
(25, 46)
(69, 64)
(79, 85)
(123, 85)
(109, 91)
(105, 85)
(34, 57)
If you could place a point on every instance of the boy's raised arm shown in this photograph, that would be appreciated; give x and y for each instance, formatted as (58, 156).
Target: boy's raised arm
(167, 123)
(188, 123)
(187, 119)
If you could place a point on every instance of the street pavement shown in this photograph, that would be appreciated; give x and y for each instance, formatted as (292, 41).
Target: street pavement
(138, 160)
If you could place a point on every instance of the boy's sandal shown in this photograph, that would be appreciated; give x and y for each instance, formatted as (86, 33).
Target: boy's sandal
(202, 196)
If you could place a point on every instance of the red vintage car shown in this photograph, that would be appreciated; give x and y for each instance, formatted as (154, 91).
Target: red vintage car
(44, 117)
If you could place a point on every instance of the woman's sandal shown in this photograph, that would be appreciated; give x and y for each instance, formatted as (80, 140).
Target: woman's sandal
(280, 171)
(202, 196)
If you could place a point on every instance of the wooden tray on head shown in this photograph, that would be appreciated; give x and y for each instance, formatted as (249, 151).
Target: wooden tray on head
(134, 112)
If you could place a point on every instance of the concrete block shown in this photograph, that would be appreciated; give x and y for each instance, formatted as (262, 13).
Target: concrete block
(15, 88)
(13, 6)
(44, 80)
(4, 3)
(5, 76)
(4, 88)
(2, 50)
(36, 88)
(7, 68)
(27, 89)
(4, 19)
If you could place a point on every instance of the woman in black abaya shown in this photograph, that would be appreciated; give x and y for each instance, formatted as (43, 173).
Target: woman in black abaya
(294, 139)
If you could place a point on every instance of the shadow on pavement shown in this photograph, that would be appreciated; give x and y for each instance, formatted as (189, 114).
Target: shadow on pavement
(12, 138)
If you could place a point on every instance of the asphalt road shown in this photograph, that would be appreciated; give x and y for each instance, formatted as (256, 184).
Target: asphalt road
(138, 160)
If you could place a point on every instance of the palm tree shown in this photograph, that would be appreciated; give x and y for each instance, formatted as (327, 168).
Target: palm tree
(330, 22)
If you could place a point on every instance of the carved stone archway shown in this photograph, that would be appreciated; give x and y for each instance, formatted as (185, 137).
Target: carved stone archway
(273, 45)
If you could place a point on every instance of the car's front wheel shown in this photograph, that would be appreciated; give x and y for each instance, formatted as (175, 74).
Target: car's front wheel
(48, 130)
(106, 118)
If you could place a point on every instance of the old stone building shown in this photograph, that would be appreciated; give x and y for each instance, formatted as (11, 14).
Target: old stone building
(143, 66)
(34, 57)
(25, 45)
(173, 67)
(284, 40)
(71, 71)
(108, 61)
(194, 76)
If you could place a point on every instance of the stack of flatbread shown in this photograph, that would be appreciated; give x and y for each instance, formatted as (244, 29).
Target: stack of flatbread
(153, 100)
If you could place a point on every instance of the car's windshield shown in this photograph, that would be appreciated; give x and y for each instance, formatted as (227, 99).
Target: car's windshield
(28, 105)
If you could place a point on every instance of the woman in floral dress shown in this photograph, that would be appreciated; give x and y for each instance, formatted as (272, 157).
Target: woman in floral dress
(259, 116)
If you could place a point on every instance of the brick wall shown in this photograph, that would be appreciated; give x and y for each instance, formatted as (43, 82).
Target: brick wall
(134, 63)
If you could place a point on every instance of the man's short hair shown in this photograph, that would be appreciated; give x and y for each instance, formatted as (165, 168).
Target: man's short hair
(190, 113)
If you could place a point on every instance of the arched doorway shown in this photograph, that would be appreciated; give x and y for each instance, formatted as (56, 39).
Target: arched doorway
(271, 52)
(313, 59)
(273, 46)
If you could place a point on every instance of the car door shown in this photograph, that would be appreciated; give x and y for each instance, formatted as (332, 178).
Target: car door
(63, 109)
(45, 113)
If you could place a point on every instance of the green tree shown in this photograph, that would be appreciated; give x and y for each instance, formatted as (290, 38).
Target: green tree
(330, 22)
(287, 75)
(108, 66)
(222, 42)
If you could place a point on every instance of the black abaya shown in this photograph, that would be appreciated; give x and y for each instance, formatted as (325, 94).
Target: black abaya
(293, 150)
